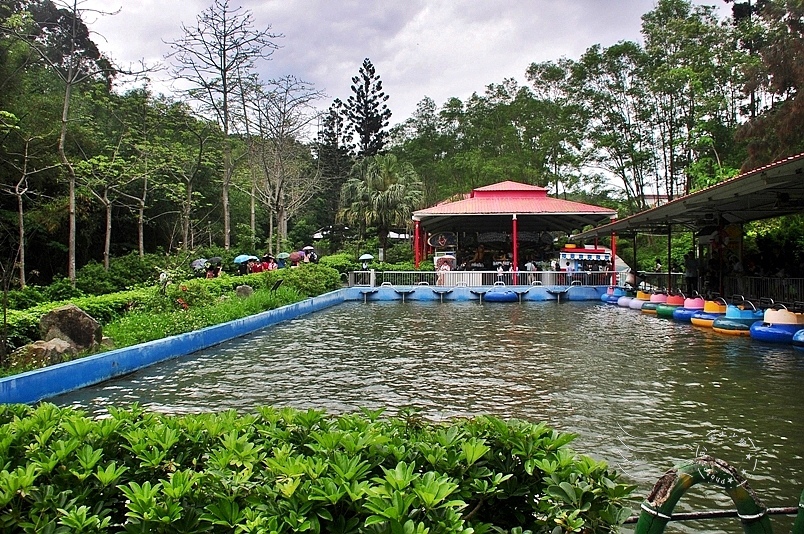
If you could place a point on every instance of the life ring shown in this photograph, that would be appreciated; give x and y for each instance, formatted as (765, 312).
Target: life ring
(657, 510)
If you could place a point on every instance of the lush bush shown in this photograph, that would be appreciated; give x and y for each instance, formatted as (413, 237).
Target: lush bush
(293, 471)
(22, 299)
(341, 262)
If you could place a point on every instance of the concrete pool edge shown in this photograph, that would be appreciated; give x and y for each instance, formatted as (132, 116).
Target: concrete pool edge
(34, 386)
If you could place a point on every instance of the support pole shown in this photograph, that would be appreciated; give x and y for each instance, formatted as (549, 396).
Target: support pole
(669, 257)
(614, 280)
(417, 249)
(515, 240)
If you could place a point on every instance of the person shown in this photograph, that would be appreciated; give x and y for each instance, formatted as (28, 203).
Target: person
(312, 256)
(442, 269)
(657, 267)
(255, 266)
(530, 266)
(691, 272)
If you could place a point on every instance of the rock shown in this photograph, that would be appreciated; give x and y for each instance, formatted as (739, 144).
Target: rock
(244, 291)
(42, 353)
(72, 324)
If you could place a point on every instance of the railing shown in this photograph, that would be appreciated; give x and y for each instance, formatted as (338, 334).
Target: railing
(785, 290)
(484, 278)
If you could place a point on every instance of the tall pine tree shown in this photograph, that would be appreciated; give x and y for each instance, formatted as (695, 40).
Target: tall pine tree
(366, 111)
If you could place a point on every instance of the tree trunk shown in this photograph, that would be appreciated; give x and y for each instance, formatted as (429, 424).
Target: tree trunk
(107, 245)
(185, 217)
(227, 179)
(21, 224)
(141, 229)
(71, 176)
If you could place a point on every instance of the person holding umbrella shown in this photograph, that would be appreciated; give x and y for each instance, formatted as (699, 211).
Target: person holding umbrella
(365, 258)
(311, 255)
(281, 259)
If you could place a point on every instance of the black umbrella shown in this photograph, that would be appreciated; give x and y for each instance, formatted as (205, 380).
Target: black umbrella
(216, 260)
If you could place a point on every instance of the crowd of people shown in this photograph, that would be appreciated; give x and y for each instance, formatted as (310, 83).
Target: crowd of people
(268, 262)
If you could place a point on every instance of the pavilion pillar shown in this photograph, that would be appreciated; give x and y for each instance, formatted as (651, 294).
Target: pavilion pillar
(417, 248)
(515, 243)
(614, 258)
(614, 255)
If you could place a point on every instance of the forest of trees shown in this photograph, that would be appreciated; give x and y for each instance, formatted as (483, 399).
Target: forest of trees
(89, 172)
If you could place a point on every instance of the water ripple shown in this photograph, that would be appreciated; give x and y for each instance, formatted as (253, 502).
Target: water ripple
(642, 392)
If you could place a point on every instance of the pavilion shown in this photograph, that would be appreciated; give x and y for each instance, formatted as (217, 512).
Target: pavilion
(508, 206)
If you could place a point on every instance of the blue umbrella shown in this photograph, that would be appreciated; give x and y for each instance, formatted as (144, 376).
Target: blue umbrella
(242, 258)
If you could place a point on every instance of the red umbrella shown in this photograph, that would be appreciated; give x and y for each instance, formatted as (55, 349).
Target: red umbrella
(296, 256)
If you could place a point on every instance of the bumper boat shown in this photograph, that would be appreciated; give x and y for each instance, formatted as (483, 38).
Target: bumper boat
(738, 319)
(655, 300)
(778, 325)
(690, 307)
(712, 310)
(667, 308)
(637, 302)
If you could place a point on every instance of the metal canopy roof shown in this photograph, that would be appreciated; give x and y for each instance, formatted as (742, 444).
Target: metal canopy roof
(493, 207)
(770, 191)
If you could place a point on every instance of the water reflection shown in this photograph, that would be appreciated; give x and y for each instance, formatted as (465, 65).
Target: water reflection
(643, 393)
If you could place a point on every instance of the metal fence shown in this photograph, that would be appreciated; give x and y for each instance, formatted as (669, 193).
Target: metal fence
(782, 290)
(483, 278)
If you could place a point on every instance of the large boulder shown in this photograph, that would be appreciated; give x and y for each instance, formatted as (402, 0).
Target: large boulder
(244, 291)
(72, 324)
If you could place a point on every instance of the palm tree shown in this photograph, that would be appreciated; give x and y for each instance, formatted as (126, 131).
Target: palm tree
(381, 192)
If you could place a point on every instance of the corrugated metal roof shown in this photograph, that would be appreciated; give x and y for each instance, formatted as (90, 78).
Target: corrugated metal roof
(770, 191)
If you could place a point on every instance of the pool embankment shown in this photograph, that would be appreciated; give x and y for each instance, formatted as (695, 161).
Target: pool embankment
(34, 386)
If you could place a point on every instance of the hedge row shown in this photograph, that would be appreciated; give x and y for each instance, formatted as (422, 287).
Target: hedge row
(22, 326)
(283, 470)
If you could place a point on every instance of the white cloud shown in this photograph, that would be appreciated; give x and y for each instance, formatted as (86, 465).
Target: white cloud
(435, 48)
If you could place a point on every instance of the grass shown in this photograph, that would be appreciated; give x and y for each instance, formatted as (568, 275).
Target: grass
(140, 326)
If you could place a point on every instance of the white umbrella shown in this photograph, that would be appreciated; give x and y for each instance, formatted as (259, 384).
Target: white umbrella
(366, 257)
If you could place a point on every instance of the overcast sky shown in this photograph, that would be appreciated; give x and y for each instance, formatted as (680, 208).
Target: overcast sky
(435, 48)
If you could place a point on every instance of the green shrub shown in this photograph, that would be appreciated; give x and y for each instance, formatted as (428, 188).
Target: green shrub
(21, 299)
(61, 289)
(341, 262)
(283, 470)
(92, 279)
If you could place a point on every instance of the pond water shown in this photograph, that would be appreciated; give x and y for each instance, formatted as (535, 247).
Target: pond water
(643, 393)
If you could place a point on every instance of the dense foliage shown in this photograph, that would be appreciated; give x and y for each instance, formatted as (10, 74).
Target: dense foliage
(696, 100)
(295, 471)
(148, 313)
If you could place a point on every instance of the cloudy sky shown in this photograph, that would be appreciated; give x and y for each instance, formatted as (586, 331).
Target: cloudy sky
(434, 48)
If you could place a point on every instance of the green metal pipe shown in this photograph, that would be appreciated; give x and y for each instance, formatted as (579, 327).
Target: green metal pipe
(657, 510)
